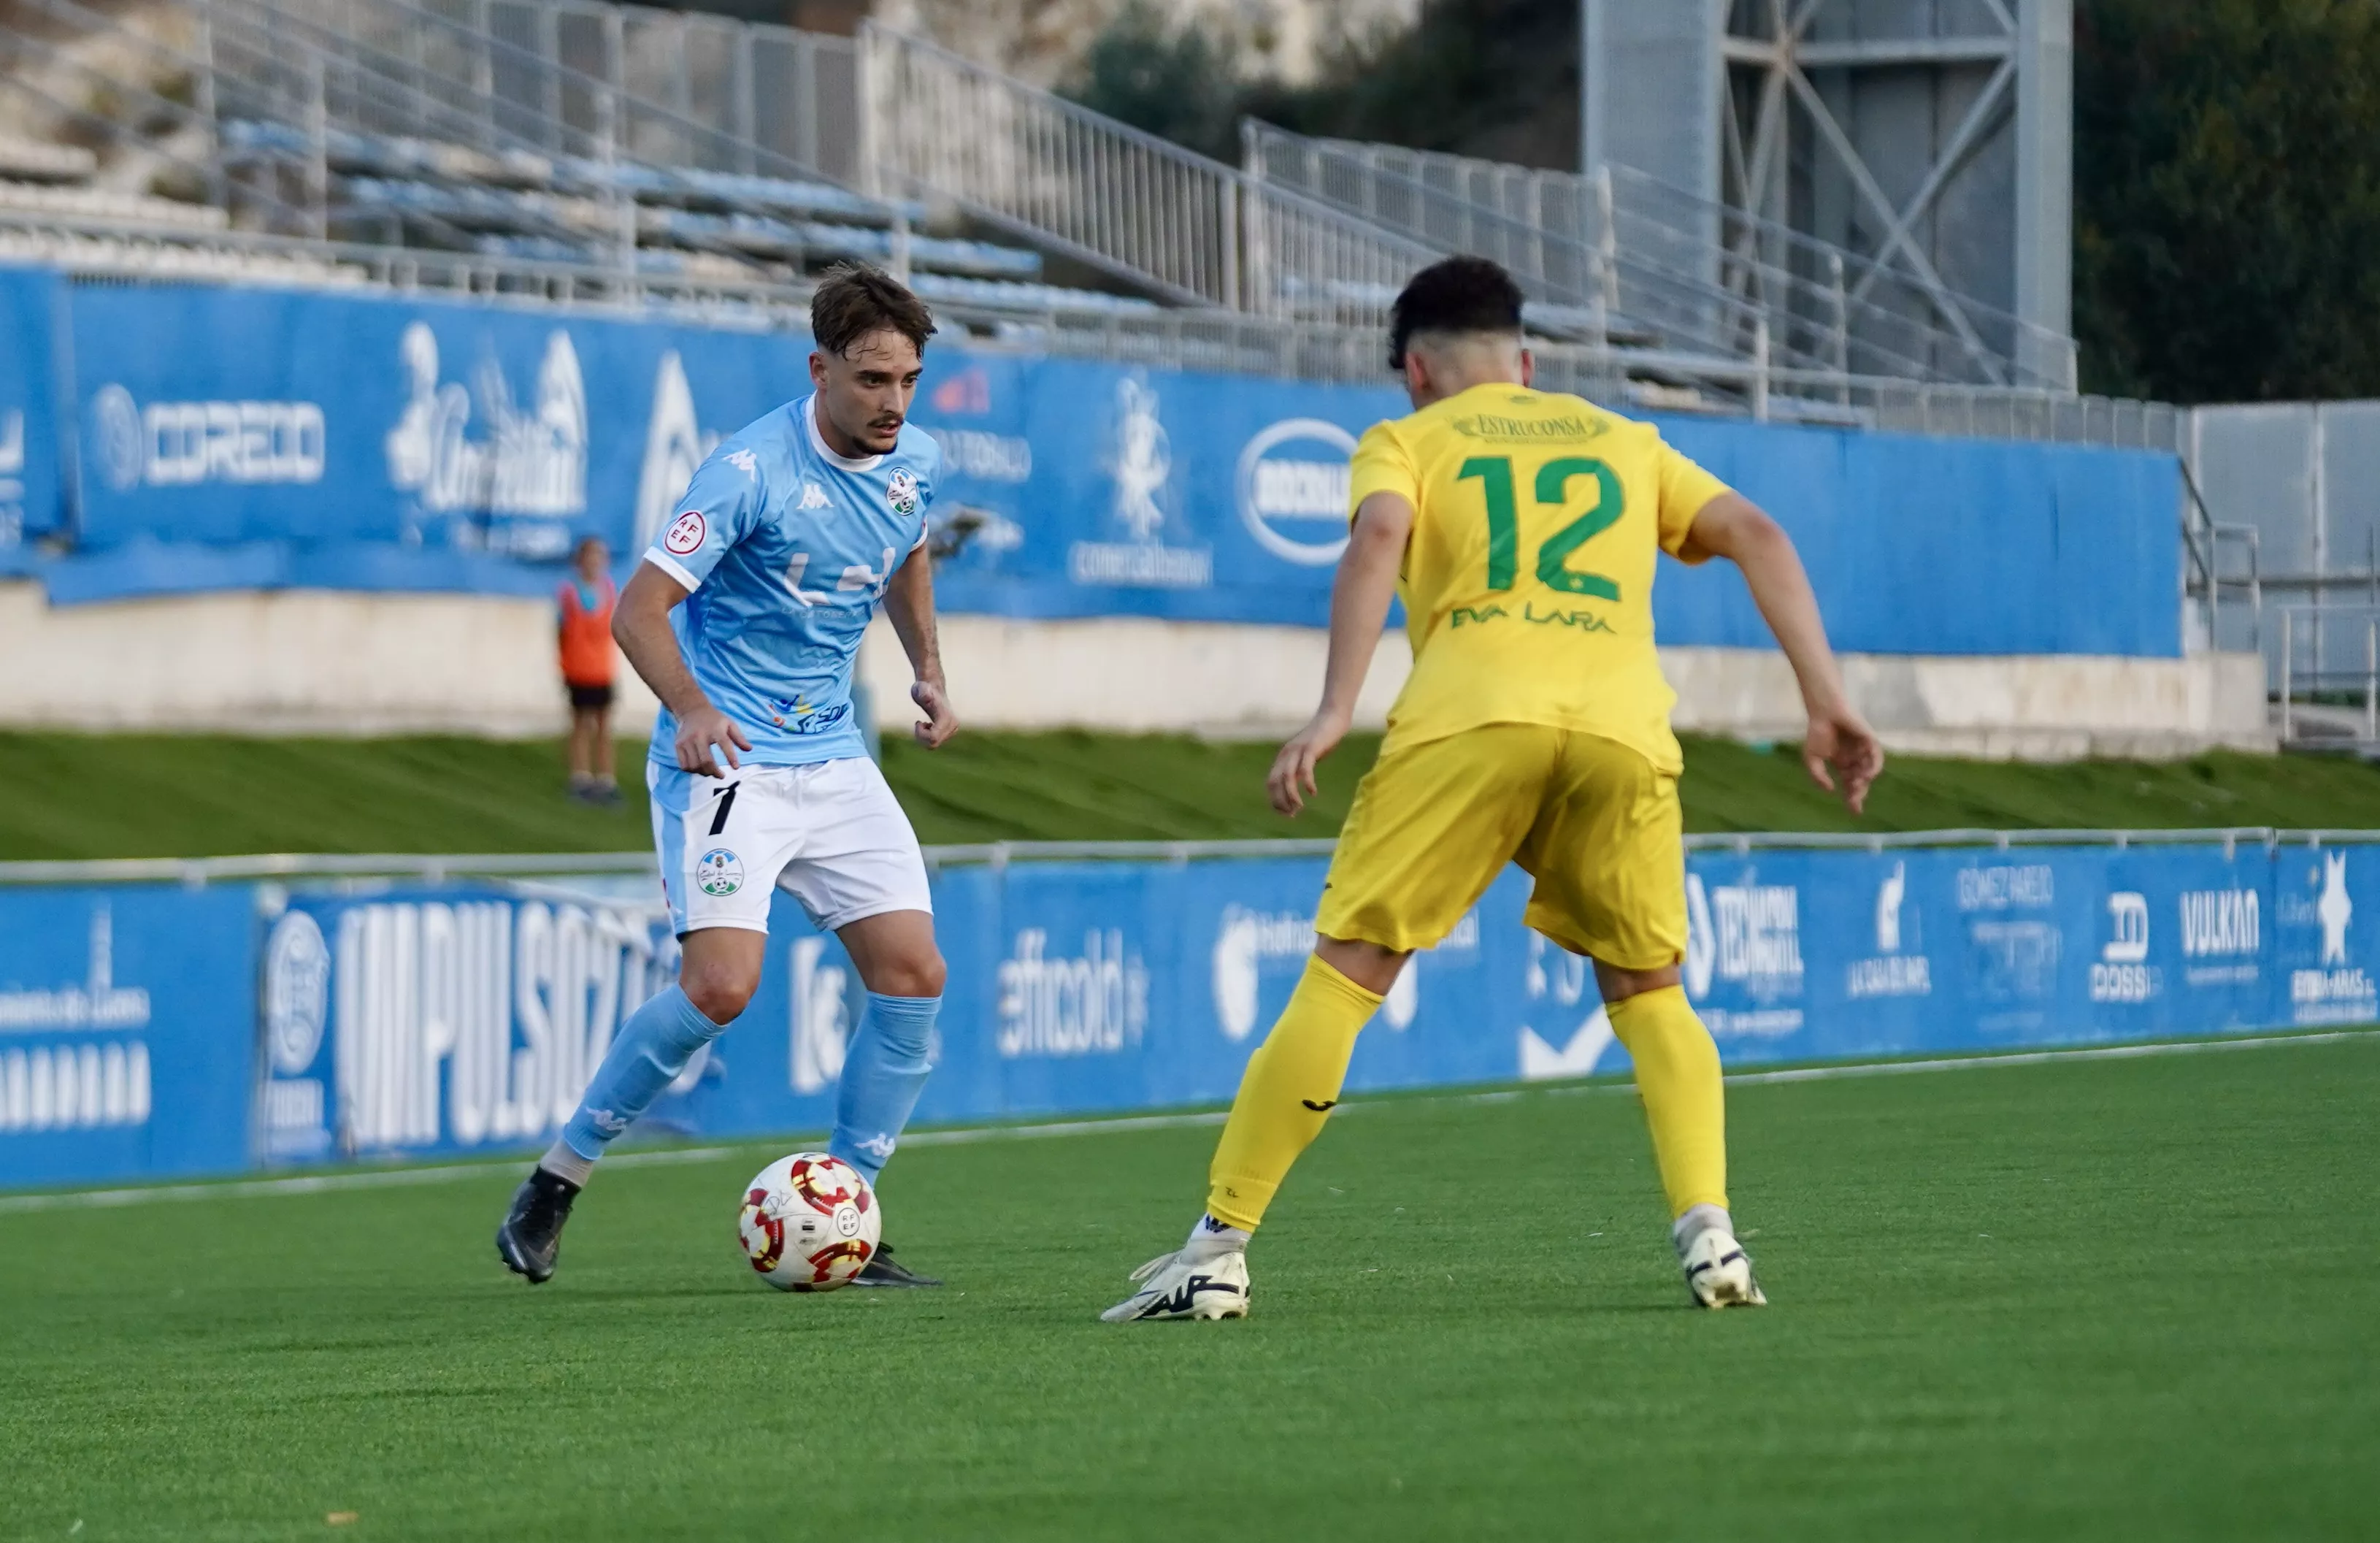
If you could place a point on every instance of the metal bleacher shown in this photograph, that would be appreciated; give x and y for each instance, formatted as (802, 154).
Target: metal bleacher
(381, 141)
(1623, 251)
(585, 153)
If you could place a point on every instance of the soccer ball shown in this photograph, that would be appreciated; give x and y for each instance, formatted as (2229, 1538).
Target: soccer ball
(811, 1223)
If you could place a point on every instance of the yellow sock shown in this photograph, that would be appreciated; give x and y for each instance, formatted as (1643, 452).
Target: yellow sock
(1287, 1092)
(1677, 1074)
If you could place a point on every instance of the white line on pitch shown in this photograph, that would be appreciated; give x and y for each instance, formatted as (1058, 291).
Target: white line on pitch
(315, 1184)
(2035, 1058)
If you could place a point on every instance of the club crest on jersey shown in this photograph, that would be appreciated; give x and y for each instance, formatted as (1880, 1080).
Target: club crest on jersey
(719, 873)
(901, 493)
(684, 535)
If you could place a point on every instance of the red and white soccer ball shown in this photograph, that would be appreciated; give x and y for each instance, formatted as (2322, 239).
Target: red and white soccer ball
(811, 1223)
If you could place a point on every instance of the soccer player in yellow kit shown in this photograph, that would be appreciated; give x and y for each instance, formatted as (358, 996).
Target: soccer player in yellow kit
(1520, 527)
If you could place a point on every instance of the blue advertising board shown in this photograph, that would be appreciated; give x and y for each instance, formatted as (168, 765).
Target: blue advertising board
(32, 500)
(243, 438)
(127, 1031)
(155, 1030)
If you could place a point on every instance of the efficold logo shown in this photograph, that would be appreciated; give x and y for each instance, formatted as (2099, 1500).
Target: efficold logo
(1293, 490)
(1094, 1003)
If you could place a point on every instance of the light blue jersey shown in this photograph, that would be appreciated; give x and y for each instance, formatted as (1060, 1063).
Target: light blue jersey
(787, 547)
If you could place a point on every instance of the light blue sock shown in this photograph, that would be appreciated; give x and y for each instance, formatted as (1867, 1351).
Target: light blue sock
(883, 1071)
(646, 1056)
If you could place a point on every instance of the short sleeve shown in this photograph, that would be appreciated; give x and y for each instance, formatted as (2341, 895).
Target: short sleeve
(1685, 488)
(1381, 463)
(715, 512)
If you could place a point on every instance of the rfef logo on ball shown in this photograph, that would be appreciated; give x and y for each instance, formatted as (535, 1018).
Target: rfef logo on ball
(685, 533)
(719, 873)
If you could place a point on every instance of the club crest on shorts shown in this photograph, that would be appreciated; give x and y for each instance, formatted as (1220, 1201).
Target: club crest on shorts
(719, 873)
(901, 493)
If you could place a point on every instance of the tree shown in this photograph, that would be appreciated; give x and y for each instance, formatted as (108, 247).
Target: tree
(2227, 186)
(1492, 78)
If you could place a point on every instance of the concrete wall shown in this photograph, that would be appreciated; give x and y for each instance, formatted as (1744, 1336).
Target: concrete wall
(308, 661)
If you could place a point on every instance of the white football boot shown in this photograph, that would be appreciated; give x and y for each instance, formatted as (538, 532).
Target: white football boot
(1187, 1284)
(1718, 1272)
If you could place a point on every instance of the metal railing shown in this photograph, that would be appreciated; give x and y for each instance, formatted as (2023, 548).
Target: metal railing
(2358, 690)
(2205, 540)
(670, 88)
(1659, 256)
(1195, 230)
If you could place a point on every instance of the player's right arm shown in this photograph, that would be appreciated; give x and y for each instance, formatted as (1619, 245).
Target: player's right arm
(640, 622)
(719, 506)
(1359, 609)
(1731, 525)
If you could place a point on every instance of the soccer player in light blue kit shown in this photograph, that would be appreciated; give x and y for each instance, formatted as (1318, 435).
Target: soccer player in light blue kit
(744, 618)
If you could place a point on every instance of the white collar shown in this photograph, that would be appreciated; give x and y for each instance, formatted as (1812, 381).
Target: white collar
(808, 410)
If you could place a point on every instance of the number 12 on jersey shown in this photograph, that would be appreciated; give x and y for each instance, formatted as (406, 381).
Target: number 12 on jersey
(1495, 475)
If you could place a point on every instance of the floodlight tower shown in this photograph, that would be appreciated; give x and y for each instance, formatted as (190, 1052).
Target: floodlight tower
(1933, 136)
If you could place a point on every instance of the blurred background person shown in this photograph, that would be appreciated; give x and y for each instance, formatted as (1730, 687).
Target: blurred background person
(585, 635)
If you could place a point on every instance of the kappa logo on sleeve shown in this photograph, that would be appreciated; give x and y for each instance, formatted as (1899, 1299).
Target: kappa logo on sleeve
(685, 533)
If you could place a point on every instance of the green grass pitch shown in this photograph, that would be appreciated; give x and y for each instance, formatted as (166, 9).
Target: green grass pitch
(2070, 1299)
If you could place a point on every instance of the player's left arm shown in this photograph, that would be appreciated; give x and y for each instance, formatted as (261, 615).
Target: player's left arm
(909, 606)
(1731, 525)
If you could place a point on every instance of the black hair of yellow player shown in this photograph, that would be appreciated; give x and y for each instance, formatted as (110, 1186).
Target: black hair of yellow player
(1455, 295)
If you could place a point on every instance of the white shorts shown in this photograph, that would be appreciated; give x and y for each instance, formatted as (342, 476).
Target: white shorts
(831, 833)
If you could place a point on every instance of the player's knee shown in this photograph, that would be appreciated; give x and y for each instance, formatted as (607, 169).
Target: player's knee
(1618, 985)
(918, 975)
(719, 991)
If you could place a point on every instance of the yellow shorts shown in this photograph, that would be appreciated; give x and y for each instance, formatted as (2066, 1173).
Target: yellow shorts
(1593, 821)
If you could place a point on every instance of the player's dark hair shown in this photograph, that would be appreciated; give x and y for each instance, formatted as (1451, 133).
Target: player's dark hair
(1457, 294)
(854, 300)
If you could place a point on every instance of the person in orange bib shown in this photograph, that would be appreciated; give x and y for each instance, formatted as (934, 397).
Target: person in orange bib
(586, 599)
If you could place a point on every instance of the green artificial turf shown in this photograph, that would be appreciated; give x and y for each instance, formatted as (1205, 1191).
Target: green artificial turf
(138, 796)
(2075, 1299)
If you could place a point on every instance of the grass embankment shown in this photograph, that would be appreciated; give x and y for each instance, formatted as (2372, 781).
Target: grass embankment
(69, 795)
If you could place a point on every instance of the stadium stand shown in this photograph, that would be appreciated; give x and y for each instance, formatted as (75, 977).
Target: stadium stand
(572, 151)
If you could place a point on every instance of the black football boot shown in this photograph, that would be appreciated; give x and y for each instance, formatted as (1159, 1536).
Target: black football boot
(885, 1270)
(530, 1240)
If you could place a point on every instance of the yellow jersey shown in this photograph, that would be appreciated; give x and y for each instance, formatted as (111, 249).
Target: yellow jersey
(1528, 579)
